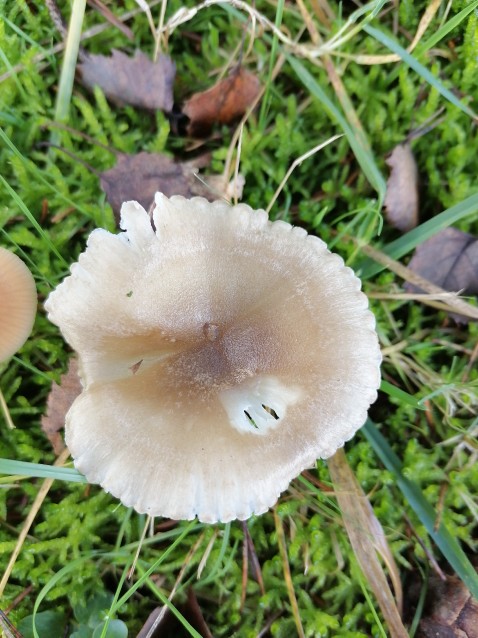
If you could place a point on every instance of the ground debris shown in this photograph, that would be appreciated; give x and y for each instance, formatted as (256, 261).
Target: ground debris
(453, 611)
(139, 177)
(449, 259)
(59, 402)
(223, 103)
(137, 81)
(401, 199)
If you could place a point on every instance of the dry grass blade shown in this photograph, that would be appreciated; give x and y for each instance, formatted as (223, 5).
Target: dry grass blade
(425, 21)
(454, 303)
(297, 162)
(6, 412)
(341, 93)
(110, 17)
(8, 630)
(287, 575)
(366, 537)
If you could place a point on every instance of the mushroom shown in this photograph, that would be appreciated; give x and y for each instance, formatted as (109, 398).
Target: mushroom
(18, 303)
(220, 353)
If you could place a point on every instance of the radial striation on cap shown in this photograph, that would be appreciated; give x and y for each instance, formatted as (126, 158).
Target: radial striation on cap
(18, 303)
(221, 354)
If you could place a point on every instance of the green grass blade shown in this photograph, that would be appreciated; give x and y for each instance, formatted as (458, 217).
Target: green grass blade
(172, 608)
(445, 29)
(71, 566)
(23, 207)
(141, 581)
(447, 544)
(401, 395)
(418, 68)
(67, 76)
(24, 35)
(406, 243)
(359, 146)
(38, 174)
(39, 470)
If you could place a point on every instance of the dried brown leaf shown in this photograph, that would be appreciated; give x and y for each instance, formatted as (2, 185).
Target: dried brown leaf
(401, 199)
(58, 403)
(449, 259)
(139, 177)
(453, 612)
(223, 103)
(137, 81)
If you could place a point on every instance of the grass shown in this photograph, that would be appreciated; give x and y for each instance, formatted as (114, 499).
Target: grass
(417, 465)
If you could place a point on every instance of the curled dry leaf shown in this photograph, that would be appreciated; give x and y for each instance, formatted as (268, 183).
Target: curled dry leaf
(401, 199)
(137, 81)
(223, 103)
(139, 177)
(58, 403)
(449, 259)
(453, 612)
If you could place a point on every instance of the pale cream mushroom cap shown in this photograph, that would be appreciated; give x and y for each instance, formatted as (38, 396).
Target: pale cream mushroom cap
(18, 303)
(221, 354)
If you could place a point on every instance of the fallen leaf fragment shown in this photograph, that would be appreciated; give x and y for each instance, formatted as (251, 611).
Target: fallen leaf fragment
(223, 103)
(453, 611)
(449, 259)
(137, 81)
(58, 403)
(401, 199)
(139, 177)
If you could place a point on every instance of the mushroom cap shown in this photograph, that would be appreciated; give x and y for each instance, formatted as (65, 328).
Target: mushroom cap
(18, 303)
(221, 354)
